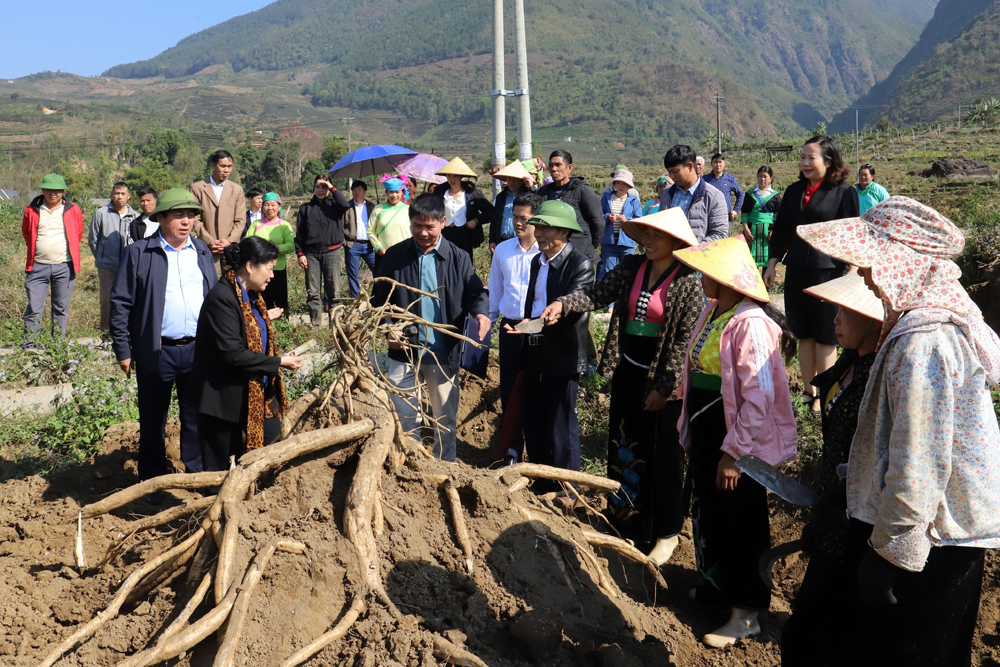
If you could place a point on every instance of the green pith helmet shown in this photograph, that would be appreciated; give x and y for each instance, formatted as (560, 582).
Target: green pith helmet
(174, 198)
(53, 182)
(556, 213)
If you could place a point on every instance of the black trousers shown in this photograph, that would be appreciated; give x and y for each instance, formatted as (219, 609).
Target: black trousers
(510, 365)
(551, 430)
(645, 456)
(154, 387)
(731, 528)
(932, 625)
(221, 439)
(276, 292)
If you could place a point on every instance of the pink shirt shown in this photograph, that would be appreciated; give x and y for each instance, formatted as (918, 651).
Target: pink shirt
(758, 404)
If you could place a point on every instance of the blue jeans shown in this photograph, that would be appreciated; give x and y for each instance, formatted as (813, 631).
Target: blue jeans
(610, 255)
(352, 257)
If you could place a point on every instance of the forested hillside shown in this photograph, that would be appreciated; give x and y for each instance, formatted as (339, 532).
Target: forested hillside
(951, 18)
(646, 67)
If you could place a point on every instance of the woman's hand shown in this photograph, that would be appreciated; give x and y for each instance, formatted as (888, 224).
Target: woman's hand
(511, 330)
(289, 361)
(471, 224)
(655, 401)
(746, 232)
(728, 474)
(274, 313)
(552, 312)
(769, 274)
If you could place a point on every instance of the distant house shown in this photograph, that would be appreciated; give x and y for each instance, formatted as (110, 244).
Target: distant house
(567, 138)
(8, 195)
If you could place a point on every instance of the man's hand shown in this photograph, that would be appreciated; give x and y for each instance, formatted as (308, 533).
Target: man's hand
(655, 401)
(126, 365)
(746, 232)
(224, 243)
(728, 474)
(552, 312)
(395, 340)
(734, 215)
(484, 325)
(274, 313)
(493, 248)
(216, 247)
(303, 262)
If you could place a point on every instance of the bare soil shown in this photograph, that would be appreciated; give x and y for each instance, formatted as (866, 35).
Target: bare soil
(525, 603)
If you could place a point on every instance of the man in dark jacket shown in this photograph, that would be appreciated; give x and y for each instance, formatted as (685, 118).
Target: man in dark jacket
(319, 234)
(554, 359)
(155, 303)
(586, 204)
(432, 264)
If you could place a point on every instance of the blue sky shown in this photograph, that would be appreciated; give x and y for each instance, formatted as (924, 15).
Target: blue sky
(89, 36)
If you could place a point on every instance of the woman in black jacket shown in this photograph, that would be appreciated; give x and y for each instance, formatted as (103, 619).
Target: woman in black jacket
(821, 194)
(466, 207)
(236, 360)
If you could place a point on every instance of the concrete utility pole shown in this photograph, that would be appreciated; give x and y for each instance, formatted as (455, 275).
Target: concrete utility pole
(718, 122)
(523, 100)
(347, 123)
(857, 137)
(499, 110)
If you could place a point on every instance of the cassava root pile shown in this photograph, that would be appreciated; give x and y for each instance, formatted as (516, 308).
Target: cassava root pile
(205, 547)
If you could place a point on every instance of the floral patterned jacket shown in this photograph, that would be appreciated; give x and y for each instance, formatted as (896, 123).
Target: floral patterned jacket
(924, 468)
(685, 300)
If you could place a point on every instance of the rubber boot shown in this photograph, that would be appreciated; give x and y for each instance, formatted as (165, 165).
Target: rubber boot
(742, 623)
(663, 550)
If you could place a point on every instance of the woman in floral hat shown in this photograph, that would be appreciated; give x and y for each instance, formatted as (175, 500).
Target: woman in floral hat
(736, 403)
(924, 470)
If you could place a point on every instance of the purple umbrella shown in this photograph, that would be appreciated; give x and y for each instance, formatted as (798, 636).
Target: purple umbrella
(422, 167)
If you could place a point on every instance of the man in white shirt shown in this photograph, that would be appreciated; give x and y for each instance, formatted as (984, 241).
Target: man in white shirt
(508, 288)
(357, 245)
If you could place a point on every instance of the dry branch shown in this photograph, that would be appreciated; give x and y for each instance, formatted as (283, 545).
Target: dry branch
(458, 517)
(183, 480)
(144, 658)
(561, 475)
(89, 628)
(332, 635)
(453, 655)
(625, 549)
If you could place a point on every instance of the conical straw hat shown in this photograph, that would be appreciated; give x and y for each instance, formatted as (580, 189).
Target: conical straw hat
(513, 170)
(669, 221)
(456, 167)
(727, 261)
(850, 292)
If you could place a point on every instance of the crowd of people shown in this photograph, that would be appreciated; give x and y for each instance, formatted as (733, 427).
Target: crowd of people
(695, 357)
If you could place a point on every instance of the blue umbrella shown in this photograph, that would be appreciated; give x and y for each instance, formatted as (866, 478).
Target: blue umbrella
(370, 161)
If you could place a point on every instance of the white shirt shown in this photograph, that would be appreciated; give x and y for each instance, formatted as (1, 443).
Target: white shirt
(51, 245)
(217, 187)
(454, 209)
(541, 284)
(509, 274)
(361, 216)
(185, 290)
(254, 217)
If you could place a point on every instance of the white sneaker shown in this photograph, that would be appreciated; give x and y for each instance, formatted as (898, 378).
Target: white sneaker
(742, 623)
(663, 550)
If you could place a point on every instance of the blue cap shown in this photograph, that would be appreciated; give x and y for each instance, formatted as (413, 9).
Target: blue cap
(393, 185)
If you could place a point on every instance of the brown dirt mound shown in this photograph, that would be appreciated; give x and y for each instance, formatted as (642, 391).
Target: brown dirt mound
(530, 599)
(959, 167)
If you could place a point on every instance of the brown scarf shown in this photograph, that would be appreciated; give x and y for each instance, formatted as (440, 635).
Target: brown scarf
(259, 402)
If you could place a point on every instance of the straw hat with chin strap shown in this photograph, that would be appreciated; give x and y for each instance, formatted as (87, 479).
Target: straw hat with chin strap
(456, 167)
(850, 292)
(670, 221)
(727, 261)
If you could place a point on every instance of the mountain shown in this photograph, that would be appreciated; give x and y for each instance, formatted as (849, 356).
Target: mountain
(645, 70)
(926, 81)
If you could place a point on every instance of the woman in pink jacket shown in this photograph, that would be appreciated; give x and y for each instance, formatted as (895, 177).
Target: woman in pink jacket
(736, 402)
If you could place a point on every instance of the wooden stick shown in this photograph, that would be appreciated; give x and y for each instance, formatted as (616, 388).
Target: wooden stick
(111, 611)
(184, 480)
(561, 475)
(330, 636)
(81, 564)
(625, 549)
(227, 650)
(458, 517)
(453, 655)
(143, 658)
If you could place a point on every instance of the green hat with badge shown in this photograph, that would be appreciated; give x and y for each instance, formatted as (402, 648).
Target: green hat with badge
(174, 198)
(556, 213)
(53, 182)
